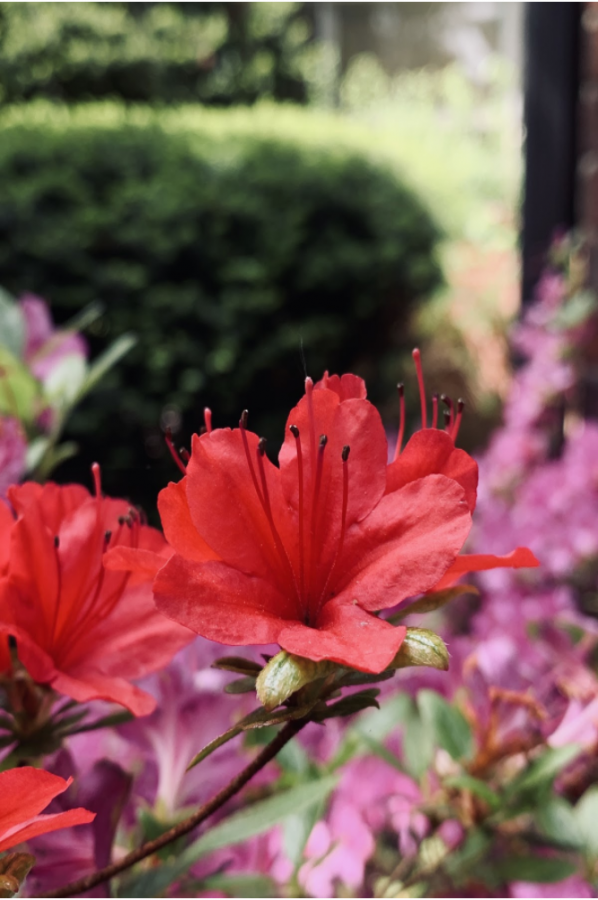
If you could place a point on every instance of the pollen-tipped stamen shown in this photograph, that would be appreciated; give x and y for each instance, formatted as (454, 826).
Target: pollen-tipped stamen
(314, 524)
(420, 381)
(457, 425)
(401, 434)
(295, 432)
(207, 417)
(450, 408)
(435, 399)
(286, 562)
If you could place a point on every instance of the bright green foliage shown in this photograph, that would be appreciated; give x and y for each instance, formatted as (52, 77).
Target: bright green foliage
(214, 53)
(225, 241)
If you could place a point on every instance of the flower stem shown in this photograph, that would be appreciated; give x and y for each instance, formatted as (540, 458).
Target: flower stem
(76, 888)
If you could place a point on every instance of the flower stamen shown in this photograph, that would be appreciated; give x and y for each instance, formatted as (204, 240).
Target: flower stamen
(420, 381)
(457, 425)
(173, 453)
(295, 432)
(434, 410)
(207, 417)
(399, 445)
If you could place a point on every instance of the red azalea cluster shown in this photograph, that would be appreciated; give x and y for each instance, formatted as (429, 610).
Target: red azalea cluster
(305, 553)
(80, 629)
(25, 793)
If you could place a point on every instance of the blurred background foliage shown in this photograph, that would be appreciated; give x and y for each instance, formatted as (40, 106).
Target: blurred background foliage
(238, 242)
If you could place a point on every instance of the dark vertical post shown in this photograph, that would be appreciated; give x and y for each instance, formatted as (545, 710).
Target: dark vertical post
(551, 85)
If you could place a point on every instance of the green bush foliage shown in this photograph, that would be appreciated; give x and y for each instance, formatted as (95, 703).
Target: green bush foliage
(227, 241)
(214, 53)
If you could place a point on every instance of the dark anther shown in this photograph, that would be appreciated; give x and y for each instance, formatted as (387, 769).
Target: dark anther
(460, 405)
(294, 431)
(345, 453)
(184, 454)
(56, 541)
(435, 395)
(107, 536)
(323, 441)
(446, 400)
(121, 520)
(129, 521)
(401, 388)
(243, 419)
(447, 418)
(12, 642)
(261, 446)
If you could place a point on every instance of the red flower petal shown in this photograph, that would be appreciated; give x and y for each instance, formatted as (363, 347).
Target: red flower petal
(406, 544)
(25, 793)
(54, 501)
(44, 824)
(348, 387)
(347, 635)
(226, 510)
(432, 452)
(221, 603)
(178, 527)
(6, 523)
(353, 423)
(86, 684)
(521, 558)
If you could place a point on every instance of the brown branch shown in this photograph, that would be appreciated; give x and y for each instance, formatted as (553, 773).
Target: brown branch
(76, 888)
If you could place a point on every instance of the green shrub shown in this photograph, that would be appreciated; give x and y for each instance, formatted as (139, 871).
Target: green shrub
(214, 53)
(226, 241)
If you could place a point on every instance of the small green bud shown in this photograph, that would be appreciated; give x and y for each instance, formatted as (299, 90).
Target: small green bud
(421, 647)
(285, 673)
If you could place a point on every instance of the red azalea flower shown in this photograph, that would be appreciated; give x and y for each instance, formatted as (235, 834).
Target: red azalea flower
(25, 793)
(81, 629)
(303, 554)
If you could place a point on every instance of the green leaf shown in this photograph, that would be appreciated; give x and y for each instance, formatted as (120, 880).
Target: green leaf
(65, 381)
(259, 718)
(20, 393)
(348, 706)
(352, 678)
(586, 817)
(417, 741)
(447, 723)
(475, 786)
(542, 771)
(237, 664)
(433, 601)
(12, 325)
(377, 726)
(239, 827)
(240, 885)
(241, 685)
(461, 861)
(106, 361)
(260, 817)
(539, 869)
(557, 820)
(422, 647)
(285, 674)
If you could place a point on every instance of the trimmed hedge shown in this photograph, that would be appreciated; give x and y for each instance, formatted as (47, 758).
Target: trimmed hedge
(212, 53)
(227, 241)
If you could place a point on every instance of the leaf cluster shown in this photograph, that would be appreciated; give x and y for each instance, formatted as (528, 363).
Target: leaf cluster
(212, 53)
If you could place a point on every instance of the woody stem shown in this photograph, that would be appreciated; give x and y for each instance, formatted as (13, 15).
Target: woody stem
(76, 888)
